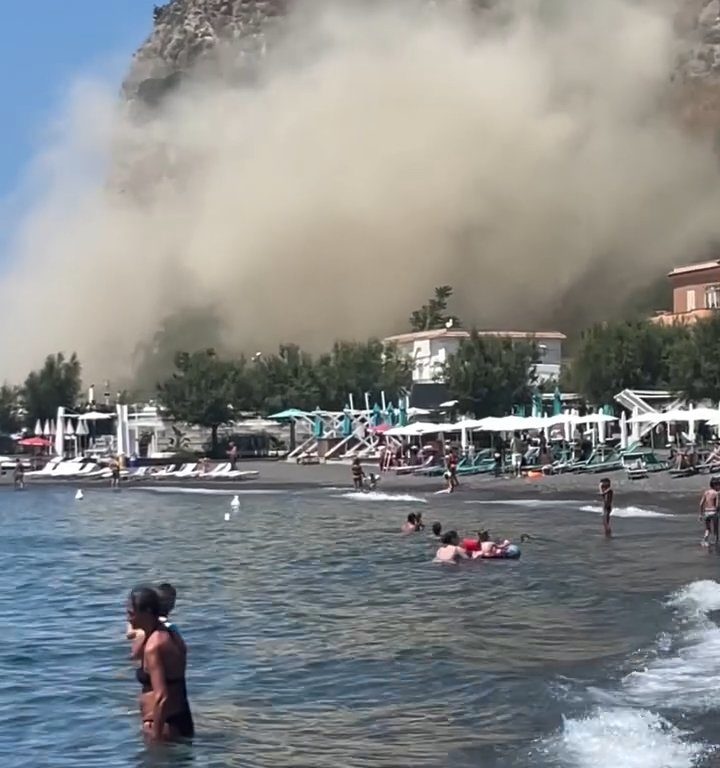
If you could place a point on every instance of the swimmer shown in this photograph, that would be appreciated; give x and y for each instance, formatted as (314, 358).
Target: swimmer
(709, 510)
(370, 483)
(419, 525)
(450, 550)
(19, 476)
(164, 705)
(487, 547)
(410, 525)
(437, 530)
(607, 494)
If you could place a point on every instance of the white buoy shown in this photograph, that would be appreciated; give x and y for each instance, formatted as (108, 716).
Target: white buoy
(79, 495)
(235, 503)
(227, 517)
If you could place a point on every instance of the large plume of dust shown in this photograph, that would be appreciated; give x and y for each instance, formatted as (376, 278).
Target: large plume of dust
(525, 158)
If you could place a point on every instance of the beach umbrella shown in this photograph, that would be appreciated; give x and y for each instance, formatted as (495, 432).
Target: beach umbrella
(536, 403)
(557, 402)
(34, 442)
(46, 428)
(38, 428)
(635, 421)
(52, 427)
(288, 415)
(403, 414)
(376, 417)
(623, 431)
(390, 415)
(347, 424)
(69, 429)
(318, 425)
(95, 416)
(82, 429)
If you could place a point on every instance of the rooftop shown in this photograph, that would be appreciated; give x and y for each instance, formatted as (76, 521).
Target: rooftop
(690, 268)
(444, 333)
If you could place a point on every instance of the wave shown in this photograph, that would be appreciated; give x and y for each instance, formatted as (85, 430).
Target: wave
(627, 511)
(625, 726)
(206, 491)
(378, 496)
(528, 502)
(612, 737)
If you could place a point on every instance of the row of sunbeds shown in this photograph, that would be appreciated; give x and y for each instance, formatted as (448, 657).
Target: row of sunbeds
(72, 469)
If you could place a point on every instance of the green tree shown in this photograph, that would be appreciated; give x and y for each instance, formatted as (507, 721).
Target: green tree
(287, 379)
(693, 360)
(433, 315)
(360, 367)
(623, 355)
(56, 384)
(488, 375)
(200, 391)
(9, 409)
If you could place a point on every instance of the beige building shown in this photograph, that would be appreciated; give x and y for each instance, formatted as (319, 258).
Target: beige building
(696, 293)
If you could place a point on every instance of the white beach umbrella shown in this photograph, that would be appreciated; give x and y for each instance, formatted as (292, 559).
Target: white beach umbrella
(623, 431)
(46, 428)
(95, 416)
(69, 429)
(38, 428)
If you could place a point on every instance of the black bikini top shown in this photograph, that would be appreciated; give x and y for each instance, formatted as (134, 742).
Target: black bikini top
(143, 677)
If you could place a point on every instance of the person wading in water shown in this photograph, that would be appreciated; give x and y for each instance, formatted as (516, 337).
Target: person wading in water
(709, 510)
(164, 706)
(608, 495)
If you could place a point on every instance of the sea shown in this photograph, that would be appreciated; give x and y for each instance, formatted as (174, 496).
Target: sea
(319, 637)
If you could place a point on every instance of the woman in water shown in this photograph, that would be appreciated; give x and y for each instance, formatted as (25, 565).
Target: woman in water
(410, 525)
(450, 550)
(164, 704)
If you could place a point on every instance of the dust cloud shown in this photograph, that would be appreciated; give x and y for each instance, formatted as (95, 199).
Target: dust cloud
(525, 157)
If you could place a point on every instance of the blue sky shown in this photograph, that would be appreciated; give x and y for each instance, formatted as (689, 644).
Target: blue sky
(46, 45)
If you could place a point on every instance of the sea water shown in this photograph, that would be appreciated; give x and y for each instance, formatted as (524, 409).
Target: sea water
(318, 636)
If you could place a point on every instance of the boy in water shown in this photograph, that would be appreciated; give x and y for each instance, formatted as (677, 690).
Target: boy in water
(709, 510)
(607, 494)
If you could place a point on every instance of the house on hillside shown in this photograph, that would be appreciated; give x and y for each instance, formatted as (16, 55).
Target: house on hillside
(696, 293)
(430, 350)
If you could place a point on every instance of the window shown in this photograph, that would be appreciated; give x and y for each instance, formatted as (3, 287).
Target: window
(690, 300)
(712, 297)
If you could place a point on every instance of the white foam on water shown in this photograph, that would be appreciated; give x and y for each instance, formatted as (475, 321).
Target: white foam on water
(689, 677)
(627, 511)
(207, 491)
(378, 496)
(528, 502)
(620, 737)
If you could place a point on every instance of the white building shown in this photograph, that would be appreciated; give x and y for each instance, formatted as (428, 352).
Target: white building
(431, 349)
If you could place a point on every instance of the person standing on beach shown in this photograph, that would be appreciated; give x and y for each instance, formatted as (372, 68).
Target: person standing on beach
(232, 455)
(709, 510)
(516, 449)
(607, 494)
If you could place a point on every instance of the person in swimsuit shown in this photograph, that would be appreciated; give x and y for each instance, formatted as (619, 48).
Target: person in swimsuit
(358, 475)
(19, 476)
(709, 510)
(410, 525)
(486, 547)
(437, 530)
(114, 473)
(607, 494)
(164, 706)
(450, 550)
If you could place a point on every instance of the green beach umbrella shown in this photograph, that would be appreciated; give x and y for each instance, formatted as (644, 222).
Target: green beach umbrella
(402, 415)
(376, 418)
(536, 403)
(557, 402)
(319, 425)
(390, 417)
(347, 425)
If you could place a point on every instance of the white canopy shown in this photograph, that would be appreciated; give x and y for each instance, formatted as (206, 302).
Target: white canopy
(687, 416)
(95, 416)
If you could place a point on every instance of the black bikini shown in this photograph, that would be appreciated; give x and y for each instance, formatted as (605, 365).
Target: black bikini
(182, 721)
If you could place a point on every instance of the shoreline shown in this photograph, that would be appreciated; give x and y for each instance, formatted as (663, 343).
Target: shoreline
(279, 475)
